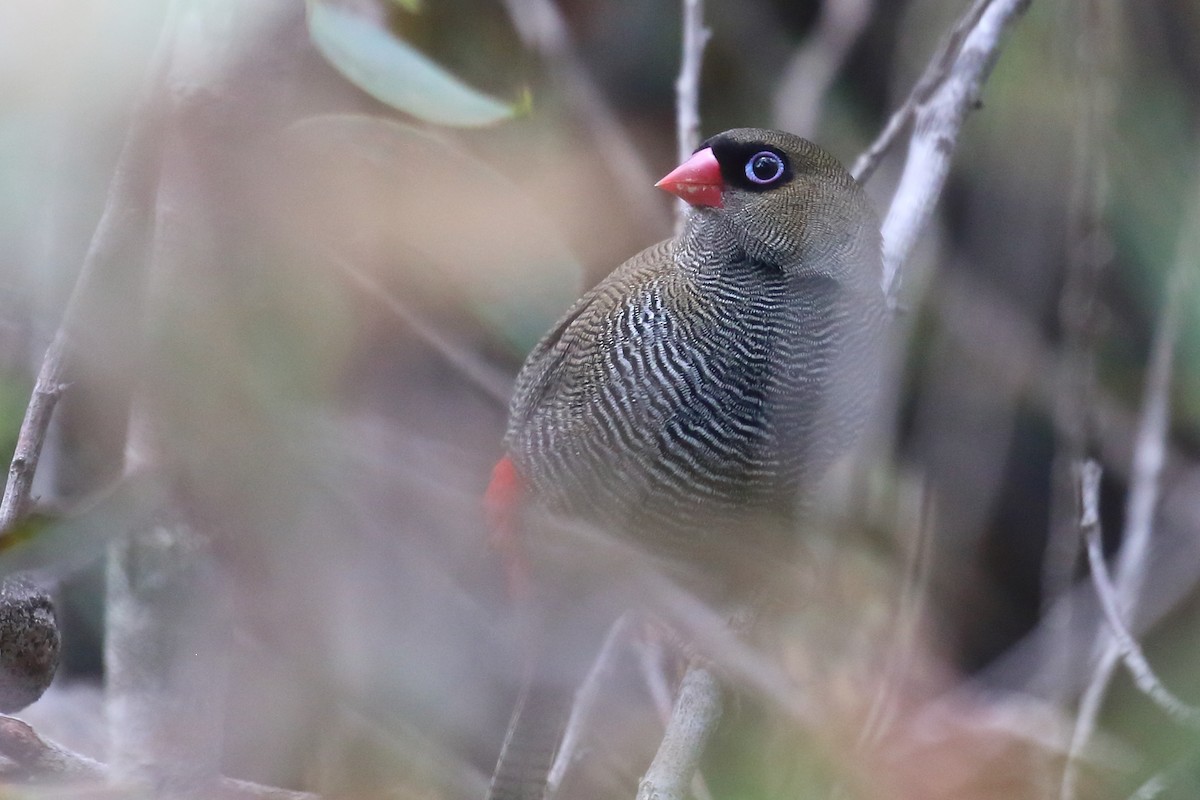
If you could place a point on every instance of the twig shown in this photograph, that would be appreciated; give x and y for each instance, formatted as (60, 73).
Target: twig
(1074, 403)
(697, 711)
(937, 70)
(687, 89)
(905, 621)
(587, 698)
(937, 122)
(1129, 650)
(487, 379)
(28, 625)
(650, 663)
(543, 29)
(123, 227)
(649, 654)
(35, 757)
(1148, 457)
(1179, 775)
(812, 68)
(1010, 347)
(687, 86)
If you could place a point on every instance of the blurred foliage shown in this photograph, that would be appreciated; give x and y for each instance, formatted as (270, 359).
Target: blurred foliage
(337, 450)
(394, 73)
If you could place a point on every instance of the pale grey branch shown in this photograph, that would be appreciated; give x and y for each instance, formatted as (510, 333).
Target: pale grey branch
(1129, 650)
(687, 88)
(32, 756)
(812, 68)
(486, 378)
(1075, 401)
(935, 72)
(937, 122)
(542, 28)
(587, 698)
(1149, 456)
(123, 228)
(697, 711)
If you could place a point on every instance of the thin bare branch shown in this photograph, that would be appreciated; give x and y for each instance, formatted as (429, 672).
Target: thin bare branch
(936, 71)
(1149, 456)
(649, 654)
(542, 28)
(687, 89)
(1012, 349)
(697, 711)
(907, 617)
(486, 378)
(812, 68)
(1088, 254)
(1130, 651)
(687, 85)
(123, 228)
(35, 757)
(587, 699)
(937, 122)
(28, 624)
(650, 658)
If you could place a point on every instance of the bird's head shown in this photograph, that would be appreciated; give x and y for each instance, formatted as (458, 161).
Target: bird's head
(783, 200)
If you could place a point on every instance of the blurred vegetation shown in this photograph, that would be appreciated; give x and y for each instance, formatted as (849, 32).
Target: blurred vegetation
(339, 291)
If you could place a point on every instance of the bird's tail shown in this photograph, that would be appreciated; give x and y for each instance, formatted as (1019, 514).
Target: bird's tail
(533, 737)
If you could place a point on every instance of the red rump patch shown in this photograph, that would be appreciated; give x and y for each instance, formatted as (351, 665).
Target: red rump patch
(502, 504)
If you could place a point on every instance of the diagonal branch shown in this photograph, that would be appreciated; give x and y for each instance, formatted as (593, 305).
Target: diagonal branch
(1075, 402)
(542, 28)
(123, 228)
(937, 121)
(697, 712)
(937, 70)
(814, 66)
(1149, 457)
(487, 379)
(28, 625)
(1129, 649)
(33, 756)
(587, 698)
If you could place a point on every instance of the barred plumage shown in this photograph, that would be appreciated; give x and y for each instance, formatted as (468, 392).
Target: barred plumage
(711, 377)
(699, 378)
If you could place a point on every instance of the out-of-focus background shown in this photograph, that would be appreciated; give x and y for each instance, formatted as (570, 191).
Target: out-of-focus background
(312, 341)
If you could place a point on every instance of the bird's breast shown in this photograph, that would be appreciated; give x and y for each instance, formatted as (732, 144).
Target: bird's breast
(679, 405)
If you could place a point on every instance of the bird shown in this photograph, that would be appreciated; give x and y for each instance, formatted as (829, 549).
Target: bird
(688, 402)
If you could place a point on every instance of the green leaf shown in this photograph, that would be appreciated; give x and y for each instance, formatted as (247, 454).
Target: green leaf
(393, 72)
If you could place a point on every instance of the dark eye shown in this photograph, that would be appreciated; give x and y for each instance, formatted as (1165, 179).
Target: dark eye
(764, 167)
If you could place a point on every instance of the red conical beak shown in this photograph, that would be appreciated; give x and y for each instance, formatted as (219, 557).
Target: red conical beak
(697, 181)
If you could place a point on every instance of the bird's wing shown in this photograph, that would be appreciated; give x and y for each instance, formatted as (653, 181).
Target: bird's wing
(547, 364)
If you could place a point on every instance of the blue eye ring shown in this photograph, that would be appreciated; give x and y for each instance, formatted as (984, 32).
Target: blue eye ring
(764, 167)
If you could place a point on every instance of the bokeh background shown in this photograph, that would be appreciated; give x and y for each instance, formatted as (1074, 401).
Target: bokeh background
(313, 346)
